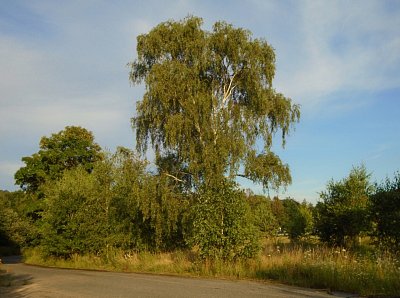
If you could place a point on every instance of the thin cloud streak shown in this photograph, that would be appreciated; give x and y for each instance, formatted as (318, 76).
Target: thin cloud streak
(343, 52)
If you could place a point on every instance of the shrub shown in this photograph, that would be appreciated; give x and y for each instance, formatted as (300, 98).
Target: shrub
(222, 225)
(385, 212)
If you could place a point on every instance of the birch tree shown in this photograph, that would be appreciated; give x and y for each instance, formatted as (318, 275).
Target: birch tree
(210, 103)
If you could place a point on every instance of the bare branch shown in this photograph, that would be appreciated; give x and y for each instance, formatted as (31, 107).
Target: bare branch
(172, 176)
(228, 91)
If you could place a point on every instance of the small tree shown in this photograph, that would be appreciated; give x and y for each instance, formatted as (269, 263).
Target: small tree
(298, 219)
(75, 215)
(222, 224)
(343, 210)
(262, 215)
(385, 213)
(279, 212)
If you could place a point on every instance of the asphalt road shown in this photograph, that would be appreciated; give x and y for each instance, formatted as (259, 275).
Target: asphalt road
(32, 281)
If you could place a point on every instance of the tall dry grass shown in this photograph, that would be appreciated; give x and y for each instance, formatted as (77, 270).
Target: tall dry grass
(335, 269)
(363, 272)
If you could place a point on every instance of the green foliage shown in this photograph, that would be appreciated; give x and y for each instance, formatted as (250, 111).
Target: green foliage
(278, 211)
(152, 207)
(209, 98)
(343, 211)
(65, 150)
(385, 212)
(298, 219)
(16, 229)
(222, 225)
(294, 219)
(75, 219)
(306, 219)
(290, 217)
(262, 216)
(117, 205)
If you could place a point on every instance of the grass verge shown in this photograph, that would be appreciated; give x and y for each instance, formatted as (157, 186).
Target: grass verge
(317, 267)
(335, 270)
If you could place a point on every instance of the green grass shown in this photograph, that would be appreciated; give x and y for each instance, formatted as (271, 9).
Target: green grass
(363, 271)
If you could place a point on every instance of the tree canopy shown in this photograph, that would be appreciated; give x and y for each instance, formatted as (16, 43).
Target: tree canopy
(385, 212)
(209, 98)
(343, 211)
(64, 150)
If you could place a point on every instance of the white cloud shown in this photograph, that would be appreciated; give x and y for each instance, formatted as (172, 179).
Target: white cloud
(349, 46)
(54, 116)
(23, 70)
(378, 152)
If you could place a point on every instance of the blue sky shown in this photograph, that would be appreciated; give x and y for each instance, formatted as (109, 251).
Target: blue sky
(64, 63)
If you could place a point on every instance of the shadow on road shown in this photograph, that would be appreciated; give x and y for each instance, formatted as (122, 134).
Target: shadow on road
(11, 259)
(14, 292)
(12, 285)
